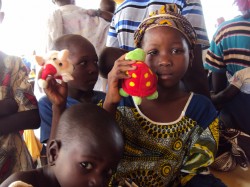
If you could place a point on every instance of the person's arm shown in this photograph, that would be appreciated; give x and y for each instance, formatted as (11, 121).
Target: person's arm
(101, 13)
(105, 15)
(225, 95)
(57, 94)
(219, 81)
(8, 106)
(121, 66)
(29, 119)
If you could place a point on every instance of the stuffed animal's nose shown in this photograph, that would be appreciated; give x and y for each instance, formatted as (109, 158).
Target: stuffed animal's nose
(60, 64)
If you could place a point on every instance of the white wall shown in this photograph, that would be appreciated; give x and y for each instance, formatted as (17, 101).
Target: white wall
(214, 9)
(22, 28)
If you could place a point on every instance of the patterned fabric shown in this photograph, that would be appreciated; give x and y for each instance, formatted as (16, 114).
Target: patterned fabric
(230, 48)
(131, 13)
(45, 111)
(167, 154)
(167, 16)
(14, 83)
(14, 155)
(233, 150)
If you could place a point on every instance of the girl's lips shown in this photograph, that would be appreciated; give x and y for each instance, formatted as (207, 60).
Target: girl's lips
(165, 76)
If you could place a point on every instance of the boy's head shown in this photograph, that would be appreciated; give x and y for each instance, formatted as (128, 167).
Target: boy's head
(107, 59)
(108, 5)
(84, 58)
(87, 147)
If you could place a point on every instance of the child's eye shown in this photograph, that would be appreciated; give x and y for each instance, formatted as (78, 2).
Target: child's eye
(87, 165)
(83, 63)
(177, 51)
(153, 52)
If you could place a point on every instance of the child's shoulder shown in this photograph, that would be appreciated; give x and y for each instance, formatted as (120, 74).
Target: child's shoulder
(201, 110)
(200, 102)
(204, 99)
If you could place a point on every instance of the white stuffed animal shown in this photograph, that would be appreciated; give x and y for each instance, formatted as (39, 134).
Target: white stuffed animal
(55, 64)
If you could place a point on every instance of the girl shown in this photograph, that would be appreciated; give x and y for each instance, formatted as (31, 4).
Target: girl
(172, 140)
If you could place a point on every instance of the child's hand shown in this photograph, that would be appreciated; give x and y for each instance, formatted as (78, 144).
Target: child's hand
(119, 71)
(56, 92)
(93, 12)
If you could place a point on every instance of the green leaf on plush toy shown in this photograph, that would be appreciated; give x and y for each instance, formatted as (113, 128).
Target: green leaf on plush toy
(123, 93)
(137, 54)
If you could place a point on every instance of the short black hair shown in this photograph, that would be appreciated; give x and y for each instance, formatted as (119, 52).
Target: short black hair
(84, 118)
(107, 59)
(67, 40)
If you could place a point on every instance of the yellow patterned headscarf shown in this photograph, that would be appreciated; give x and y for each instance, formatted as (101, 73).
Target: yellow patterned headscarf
(168, 16)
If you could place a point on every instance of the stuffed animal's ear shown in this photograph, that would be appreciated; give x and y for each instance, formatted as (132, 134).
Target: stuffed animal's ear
(40, 60)
(63, 54)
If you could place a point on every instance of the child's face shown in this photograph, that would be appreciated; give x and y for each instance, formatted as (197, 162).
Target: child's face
(84, 59)
(86, 162)
(167, 54)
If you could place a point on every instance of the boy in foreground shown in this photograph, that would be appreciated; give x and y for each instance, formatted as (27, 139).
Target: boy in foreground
(85, 151)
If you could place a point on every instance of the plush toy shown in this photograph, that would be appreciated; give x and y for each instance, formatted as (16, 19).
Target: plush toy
(143, 82)
(19, 184)
(55, 64)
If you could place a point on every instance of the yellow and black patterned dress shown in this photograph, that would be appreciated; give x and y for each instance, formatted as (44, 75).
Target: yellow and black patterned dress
(167, 154)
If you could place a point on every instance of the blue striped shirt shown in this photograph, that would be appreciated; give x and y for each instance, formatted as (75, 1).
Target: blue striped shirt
(131, 13)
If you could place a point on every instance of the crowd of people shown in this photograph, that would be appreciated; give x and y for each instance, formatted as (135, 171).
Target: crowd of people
(93, 136)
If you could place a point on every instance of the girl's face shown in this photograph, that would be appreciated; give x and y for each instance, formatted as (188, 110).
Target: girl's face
(84, 59)
(167, 54)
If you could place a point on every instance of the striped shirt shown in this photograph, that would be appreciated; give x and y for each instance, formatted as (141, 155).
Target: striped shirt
(230, 48)
(131, 13)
